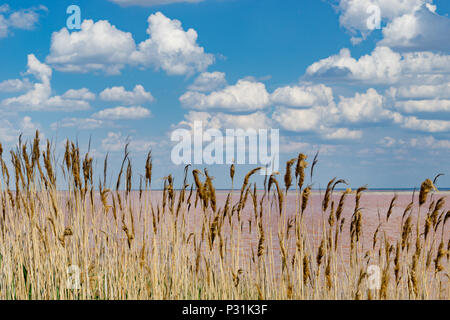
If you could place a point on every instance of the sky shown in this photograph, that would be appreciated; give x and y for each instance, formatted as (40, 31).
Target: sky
(366, 83)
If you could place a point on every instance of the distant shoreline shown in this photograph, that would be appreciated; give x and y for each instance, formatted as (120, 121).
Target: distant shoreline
(313, 191)
(372, 191)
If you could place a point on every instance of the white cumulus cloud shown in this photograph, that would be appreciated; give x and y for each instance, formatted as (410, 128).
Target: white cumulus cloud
(171, 48)
(243, 96)
(406, 24)
(219, 120)
(343, 134)
(425, 125)
(115, 142)
(24, 19)
(438, 91)
(123, 113)
(83, 94)
(298, 120)
(39, 96)
(303, 96)
(119, 94)
(418, 31)
(79, 123)
(383, 66)
(100, 46)
(412, 106)
(15, 85)
(363, 107)
(10, 131)
(208, 81)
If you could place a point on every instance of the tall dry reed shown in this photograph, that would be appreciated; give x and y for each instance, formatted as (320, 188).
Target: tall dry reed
(186, 243)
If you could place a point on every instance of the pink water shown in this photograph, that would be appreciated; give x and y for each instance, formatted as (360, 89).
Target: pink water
(374, 207)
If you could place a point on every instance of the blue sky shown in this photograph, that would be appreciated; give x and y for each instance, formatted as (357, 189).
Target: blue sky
(376, 103)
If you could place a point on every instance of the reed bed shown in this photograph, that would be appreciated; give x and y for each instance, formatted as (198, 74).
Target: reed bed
(184, 243)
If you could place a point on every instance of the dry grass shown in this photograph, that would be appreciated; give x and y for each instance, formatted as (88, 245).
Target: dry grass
(185, 244)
